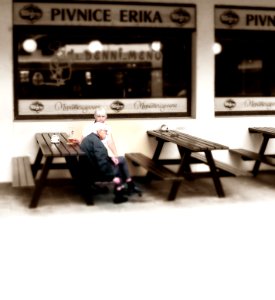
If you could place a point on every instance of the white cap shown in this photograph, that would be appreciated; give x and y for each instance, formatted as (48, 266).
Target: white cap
(99, 126)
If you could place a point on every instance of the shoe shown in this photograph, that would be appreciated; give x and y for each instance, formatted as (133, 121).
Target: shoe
(119, 200)
(87, 195)
(133, 189)
(89, 202)
(119, 192)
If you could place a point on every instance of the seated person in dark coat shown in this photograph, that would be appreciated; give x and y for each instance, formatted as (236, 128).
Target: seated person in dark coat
(103, 167)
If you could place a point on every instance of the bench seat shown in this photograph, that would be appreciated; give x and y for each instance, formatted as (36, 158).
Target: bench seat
(221, 166)
(250, 155)
(22, 175)
(153, 167)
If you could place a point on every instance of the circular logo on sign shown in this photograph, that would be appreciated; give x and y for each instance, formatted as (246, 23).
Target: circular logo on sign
(229, 103)
(180, 16)
(31, 13)
(38, 78)
(117, 106)
(36, 106)
(229, 18)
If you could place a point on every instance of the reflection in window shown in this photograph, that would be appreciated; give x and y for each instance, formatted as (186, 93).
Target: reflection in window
(129, 63)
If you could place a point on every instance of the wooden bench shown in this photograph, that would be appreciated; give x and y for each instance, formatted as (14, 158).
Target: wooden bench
(226, 169)
(250, 155)
(153, 167)
(22, 175)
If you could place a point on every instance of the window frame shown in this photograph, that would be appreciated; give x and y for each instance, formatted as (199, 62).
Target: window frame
(34, 106)
(243, 76)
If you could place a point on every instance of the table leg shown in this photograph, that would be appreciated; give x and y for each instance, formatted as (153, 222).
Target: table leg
(184, 165)
(155, 157)
(214, 173)
(186, 169)
(37, 163)
(81, 183)
(261, 152)
(158, 150)
(40, 182)
(72, 163)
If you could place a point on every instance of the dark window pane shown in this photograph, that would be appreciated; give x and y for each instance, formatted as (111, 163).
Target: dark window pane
(246, 65)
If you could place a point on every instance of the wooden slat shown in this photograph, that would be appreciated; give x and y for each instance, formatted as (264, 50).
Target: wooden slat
(183, 141)
(263, 130)
(60, 149)
(153, 167)
(22, 172)
(187, 141)
(247, 154)
(71, 149)
(222, 166)
(28, 171)
(15, 172)
(46, 150)
(201, 142)
(54, 148)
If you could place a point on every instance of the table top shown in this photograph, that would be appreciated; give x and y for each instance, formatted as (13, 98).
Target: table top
(61, 149)
(185, 140)
(269, 131)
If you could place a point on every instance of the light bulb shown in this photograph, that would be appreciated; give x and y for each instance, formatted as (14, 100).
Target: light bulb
(217, 48)
(29, 45)
(95, 46)
(156, 46)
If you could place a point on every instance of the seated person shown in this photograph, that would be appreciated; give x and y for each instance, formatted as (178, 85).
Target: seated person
(104, 166)
(100, 115)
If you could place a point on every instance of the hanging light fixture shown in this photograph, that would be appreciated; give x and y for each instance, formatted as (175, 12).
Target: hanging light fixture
(95, 46)
(29, 45)
(156, 46)
(217, 48)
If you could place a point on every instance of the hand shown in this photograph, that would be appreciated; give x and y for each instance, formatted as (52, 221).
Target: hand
(73, 141)
(115, 160)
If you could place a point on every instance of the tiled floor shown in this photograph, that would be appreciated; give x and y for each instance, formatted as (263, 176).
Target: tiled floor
(197, 247)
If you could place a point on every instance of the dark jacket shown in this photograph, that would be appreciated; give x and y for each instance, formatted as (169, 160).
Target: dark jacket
(98, 156)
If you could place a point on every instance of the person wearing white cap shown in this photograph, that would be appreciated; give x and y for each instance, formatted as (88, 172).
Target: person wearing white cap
(104, 166)
(100, 115)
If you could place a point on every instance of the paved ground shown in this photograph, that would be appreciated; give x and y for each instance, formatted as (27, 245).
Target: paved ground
(197, 247)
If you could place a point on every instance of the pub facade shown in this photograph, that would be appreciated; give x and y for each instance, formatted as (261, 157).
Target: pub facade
(204, 68)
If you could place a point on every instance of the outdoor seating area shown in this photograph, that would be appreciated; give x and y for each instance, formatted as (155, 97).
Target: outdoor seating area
(192, 150)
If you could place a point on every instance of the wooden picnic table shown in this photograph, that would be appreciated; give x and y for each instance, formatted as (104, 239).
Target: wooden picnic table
(189, 148)
(267, 133)
(44, 160)
(260, 156)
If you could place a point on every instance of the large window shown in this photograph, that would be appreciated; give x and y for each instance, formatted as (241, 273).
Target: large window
(140, 69)
(245, 67)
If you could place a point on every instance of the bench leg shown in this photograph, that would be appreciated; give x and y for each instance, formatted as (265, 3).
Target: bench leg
(174, 190)
(40, 183)
(214, 174)
(261, 152)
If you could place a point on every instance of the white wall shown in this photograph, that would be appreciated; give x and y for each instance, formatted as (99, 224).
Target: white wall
(17, 137)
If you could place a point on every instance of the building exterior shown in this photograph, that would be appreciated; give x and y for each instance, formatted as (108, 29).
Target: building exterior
(184, 85)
